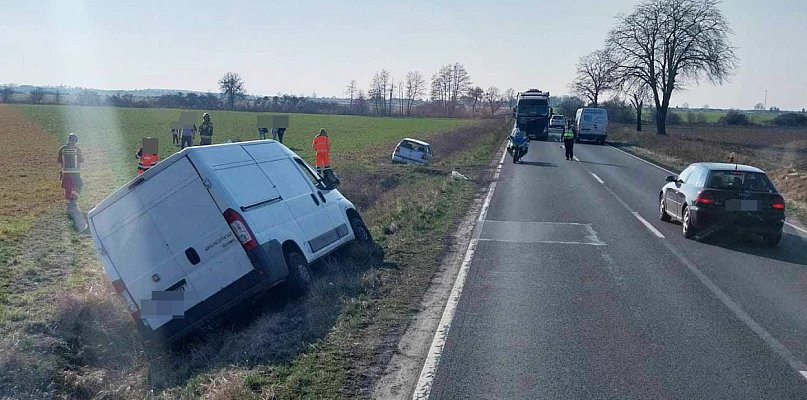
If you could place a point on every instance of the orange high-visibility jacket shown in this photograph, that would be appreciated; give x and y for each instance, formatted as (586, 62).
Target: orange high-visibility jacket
(322, 146)
(146, 161)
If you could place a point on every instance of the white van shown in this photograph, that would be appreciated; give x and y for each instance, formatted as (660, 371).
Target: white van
(591, 124)
(212, 225)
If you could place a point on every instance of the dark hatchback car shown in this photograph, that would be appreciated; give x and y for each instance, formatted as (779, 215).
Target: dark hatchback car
(707, 197)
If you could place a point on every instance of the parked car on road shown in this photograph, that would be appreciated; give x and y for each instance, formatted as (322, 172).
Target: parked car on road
(557, 121)
(412, 151)
(707, 197)
(211, 225)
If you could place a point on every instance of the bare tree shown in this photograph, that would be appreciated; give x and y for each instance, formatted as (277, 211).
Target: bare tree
(391, 93)
(510, 97)
(415, 87)
(232, 87)
(595, 75)
(474, 95)
(638, 93)
(378, 91)
(664, 43)
(6, 91)
(37, 95)
(401, 98)
(493, 99)
(352, 87)
(361, 102)
(448, 84)
(58, 94)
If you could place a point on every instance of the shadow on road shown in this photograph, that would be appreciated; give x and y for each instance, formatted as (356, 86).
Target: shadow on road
(539, 164)
(792, 249)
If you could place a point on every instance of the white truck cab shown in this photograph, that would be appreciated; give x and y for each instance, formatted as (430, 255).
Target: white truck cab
(212, 225)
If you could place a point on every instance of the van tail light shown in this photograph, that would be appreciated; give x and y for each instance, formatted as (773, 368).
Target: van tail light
(240, 229)
(778, 203)
(705, 198)
(131, 304)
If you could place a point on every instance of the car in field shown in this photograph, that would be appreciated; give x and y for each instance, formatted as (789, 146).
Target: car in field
(212, 225)
(707, 197)
(591, 123)
(412, 151)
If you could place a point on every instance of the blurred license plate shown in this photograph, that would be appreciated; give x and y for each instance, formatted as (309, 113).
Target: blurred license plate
(742, 205)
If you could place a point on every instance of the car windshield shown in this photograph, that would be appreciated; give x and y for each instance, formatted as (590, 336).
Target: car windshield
(739, 180)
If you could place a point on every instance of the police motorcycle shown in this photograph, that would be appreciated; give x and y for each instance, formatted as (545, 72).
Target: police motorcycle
(517, 144)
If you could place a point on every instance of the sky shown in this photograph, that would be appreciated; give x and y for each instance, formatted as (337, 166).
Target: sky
(305, 47)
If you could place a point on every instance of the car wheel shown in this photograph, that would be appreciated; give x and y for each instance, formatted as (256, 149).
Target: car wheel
(299, 275)
(686, 225)
(772, 239)
(360, 230)
(662, 210)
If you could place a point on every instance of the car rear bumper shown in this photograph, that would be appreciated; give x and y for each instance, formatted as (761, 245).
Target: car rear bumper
(752, 222)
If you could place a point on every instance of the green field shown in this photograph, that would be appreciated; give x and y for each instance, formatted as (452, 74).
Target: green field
(713, 116)
(65, 334)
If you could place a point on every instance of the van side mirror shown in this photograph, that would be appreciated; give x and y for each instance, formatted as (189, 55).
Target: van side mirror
(672, 178)
(329, 180)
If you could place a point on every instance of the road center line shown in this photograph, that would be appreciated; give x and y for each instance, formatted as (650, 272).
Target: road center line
(424, 384)
(647, 224)
(597, 178)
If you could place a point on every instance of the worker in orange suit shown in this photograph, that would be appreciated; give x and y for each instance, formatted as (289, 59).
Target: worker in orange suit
(322, 146)
(145, 160)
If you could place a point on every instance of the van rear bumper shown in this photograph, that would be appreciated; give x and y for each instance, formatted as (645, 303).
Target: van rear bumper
(269, 270)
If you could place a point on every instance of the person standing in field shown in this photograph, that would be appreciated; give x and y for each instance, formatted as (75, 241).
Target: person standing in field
(188, 133)
(70, 158)
(262, 133)
(206, 130)
(280, 132)
(175, 136)
(322, 146)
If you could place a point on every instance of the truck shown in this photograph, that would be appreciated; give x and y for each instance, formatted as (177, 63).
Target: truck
(532, 113)
(211, 226)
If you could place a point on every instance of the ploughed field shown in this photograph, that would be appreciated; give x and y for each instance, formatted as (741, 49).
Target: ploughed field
(64, 333)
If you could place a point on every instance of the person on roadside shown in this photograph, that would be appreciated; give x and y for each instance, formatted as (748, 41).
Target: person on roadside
(188, 134)
(280, 132)
(175, 136)
(206, 131)
(322, 147)
(145, 161)
(70, 158)
(274, 133)
(262, 133)
(568, 144)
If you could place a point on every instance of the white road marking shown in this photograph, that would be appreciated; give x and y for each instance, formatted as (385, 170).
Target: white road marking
(643, 160)
(597, 178)
(763, 334)
(424, 385)
(647, 224)
(575, 158)
(796, 227)
(541, 242)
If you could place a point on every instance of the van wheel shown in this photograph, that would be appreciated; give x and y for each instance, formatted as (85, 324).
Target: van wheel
(299, 276)
(360, 230)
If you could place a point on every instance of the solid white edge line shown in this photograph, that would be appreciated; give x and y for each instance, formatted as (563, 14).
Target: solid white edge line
(424, 384)
(647, 224)
(642, 160)
(597, 178)
(798, 228)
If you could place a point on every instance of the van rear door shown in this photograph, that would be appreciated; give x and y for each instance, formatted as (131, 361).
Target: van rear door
(167, 234)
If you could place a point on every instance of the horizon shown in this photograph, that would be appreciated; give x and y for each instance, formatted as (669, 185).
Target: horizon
(316, 47)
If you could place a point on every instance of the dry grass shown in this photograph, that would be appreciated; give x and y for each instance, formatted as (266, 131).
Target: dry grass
(782, 152)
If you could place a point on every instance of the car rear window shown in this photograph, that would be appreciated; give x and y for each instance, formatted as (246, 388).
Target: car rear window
(739, 180)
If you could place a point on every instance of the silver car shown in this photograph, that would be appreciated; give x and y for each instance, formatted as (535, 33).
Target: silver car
(412, 151)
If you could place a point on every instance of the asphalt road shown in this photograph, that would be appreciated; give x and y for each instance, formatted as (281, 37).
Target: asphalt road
(570, 295)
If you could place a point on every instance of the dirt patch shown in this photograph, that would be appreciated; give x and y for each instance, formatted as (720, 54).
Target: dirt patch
(29, 183)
